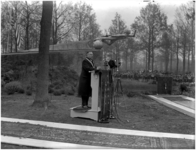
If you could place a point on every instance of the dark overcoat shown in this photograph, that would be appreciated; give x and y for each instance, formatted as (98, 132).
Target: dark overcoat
(84, 88)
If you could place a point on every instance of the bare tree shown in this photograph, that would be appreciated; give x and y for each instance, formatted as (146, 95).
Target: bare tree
(185, 18)
(149, 24)
(28, 12)
(62, 22)
(118, 27)
(83, 19)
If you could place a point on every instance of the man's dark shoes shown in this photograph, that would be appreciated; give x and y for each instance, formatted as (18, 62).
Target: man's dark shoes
(85, 107)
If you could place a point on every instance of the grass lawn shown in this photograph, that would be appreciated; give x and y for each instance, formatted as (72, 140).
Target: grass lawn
(136, 113)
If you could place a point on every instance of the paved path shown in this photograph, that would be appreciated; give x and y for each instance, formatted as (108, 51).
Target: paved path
(183, 104)
(59, 135)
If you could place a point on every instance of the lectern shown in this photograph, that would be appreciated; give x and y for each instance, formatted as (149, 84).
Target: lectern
(92, 113)
(101, 98)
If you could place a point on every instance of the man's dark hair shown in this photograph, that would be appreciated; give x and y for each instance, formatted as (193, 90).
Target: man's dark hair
(88, 52)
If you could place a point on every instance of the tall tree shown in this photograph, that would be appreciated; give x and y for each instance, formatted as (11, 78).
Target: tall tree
(185, 28)
(28, 13)
(190, 15)
(92, 30)
(166, 45)
(42, 98)
(150, 22)
(175, 33)
(81, 19)
(118, 26)
(62, 22)
(5, 26)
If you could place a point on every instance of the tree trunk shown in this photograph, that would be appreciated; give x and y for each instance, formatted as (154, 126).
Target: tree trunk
(171, 60)
(16, 45)
(42, 97)
(184, 59)
(188, 65)
(8, 37)
(149, 50)
(27, 28)
(177, 63)
(152, 58)
(54, 32)
(80, 28)
(36, 43)
(166, 60)
(126, 59)
(27, 34)
(184, 53)
(11, 41)
(152, 52)
(146, 60)
(193, 47)
(131, 62)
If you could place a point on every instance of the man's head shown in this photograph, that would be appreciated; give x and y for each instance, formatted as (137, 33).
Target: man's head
(89, 55)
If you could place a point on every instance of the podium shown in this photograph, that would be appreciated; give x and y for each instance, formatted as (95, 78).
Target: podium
(102, 94)
(92, 113)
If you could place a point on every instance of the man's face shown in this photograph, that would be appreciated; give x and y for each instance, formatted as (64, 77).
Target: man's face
(90, 55)
(108, 58)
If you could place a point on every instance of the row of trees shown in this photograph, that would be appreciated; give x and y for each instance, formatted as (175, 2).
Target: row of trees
(69, 22)
(156, 40)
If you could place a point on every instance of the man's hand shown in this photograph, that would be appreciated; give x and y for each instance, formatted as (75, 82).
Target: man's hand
(98, 67)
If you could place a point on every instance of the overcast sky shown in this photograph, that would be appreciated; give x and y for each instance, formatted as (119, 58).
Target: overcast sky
(128, 9)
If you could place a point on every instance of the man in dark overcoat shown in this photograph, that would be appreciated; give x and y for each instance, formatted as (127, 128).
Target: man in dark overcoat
(84, 89)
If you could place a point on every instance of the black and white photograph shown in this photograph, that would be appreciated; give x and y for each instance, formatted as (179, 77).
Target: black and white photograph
(98, 74)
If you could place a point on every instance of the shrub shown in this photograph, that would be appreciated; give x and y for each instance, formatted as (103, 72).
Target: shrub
(62, 91)
(130, 94)
(8, 76)
(10, 92)
(28, 92)
(2, 83)
(57, 83)
(29, 88)
(21, 91)
(184, 88)
(147, 93)
(57, 92)
(51, 86)
(12, 87)
(174, 83)
(152, 82)
(33, 84)
(68, 90)
(50, 90)
(58, 87)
